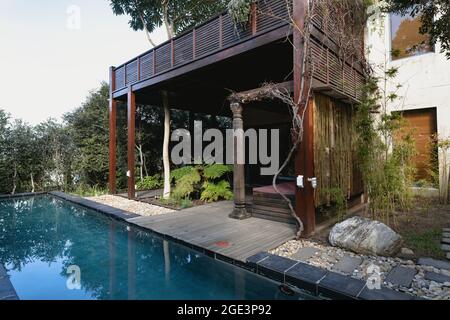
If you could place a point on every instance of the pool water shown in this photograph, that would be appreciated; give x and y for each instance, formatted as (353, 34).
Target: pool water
(53, 250)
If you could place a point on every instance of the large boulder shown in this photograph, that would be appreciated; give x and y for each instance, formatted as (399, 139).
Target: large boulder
(365, 236)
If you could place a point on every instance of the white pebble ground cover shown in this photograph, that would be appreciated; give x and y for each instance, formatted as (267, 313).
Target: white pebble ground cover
(140, 208)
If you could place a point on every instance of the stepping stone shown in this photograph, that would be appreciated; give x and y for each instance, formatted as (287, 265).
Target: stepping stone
(448, 255)
(434, 263)
(305, 254)
(446, 230)
(446, 234)
(445, 247)
(401, 276)
(436, 277)
(347, 264)
(445, 240)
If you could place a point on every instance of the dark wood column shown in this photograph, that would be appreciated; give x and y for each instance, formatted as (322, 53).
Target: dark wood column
(131, 143)
(304, 162)
(239, 211)
(112, 132)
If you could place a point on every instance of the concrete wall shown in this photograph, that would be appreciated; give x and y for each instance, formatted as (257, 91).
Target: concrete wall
(425, 78)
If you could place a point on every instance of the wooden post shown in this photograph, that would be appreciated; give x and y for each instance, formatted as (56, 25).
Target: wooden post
(112, 132)
(304, 162)
(131, 142)
(240, 211)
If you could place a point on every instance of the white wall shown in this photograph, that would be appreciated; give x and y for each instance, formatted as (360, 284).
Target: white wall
(425, 79)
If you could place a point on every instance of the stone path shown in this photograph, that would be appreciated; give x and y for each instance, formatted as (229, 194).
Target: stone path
(429, 278)
(401, 276)
(348, 264)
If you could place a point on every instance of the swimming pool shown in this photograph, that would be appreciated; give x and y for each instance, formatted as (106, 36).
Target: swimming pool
(56, 250)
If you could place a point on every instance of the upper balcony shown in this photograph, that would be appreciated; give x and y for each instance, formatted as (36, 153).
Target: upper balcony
(261, 46)
(218, 38)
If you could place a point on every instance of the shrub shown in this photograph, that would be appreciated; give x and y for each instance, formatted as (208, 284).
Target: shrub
(177, 174)
(186, 184)
(150, 183)
(216, 191)
(216, 171)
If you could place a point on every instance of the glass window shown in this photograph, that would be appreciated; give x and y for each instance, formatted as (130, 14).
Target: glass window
(406, 39)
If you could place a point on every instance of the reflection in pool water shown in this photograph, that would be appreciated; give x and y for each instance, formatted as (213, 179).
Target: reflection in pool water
(42, 237)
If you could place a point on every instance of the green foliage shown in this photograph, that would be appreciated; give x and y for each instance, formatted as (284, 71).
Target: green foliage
(180, 14)
(425, 244)
(240, 11)
(150, 183)
(83, 190)
(204, 182)
(339, 200)
(177, 174)
(435, 17)
(213, 192)
(216, 171)
(385, 149)
(186, 185)
(88, 127)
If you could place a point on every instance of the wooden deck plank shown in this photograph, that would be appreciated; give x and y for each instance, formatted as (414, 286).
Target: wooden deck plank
(207, 225)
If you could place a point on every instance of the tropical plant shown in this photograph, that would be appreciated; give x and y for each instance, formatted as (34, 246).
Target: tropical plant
(213, 192)
(150, 183)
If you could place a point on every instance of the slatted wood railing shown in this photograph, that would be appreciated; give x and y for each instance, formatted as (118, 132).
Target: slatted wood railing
(210, 37)
(219, 33)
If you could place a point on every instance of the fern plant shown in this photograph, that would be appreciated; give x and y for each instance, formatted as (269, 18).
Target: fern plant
(216, 171)
(213, 192)
(186, 185)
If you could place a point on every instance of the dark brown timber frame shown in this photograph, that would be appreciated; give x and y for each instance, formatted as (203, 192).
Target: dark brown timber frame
(304, 162)
(112, 133)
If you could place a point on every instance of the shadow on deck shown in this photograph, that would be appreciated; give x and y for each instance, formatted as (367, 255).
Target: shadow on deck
(210, 227)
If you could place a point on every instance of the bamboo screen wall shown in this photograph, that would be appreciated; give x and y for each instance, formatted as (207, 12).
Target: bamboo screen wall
(334, 153)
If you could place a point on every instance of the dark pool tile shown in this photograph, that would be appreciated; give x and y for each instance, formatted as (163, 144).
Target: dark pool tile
(337, 286)
(383, 294)
(305, 277)
(244, 265)
(224, 258)
(257, 258)
(274, 267)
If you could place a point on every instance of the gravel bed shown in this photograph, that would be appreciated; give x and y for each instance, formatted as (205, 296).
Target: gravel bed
(140, 208)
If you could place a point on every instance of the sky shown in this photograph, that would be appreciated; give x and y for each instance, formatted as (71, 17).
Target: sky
(53, 52)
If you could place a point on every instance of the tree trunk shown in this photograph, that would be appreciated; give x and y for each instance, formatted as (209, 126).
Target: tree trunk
(14, 180)
(141, 162)
(32, 183)
(166, 160)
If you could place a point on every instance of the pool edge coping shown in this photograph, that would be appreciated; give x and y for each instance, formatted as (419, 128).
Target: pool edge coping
(256, 263)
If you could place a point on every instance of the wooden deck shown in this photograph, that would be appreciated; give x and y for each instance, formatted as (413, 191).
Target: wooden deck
(210, 227)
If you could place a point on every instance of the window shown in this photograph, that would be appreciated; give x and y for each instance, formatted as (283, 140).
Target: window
(406, 39)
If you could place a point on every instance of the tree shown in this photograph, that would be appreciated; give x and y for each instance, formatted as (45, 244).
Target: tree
(4, 134)
(175, 16)
(88, 126)
(434, 15)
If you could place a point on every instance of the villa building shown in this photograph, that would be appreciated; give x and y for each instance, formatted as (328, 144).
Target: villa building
(422, 83)
(199, 68)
